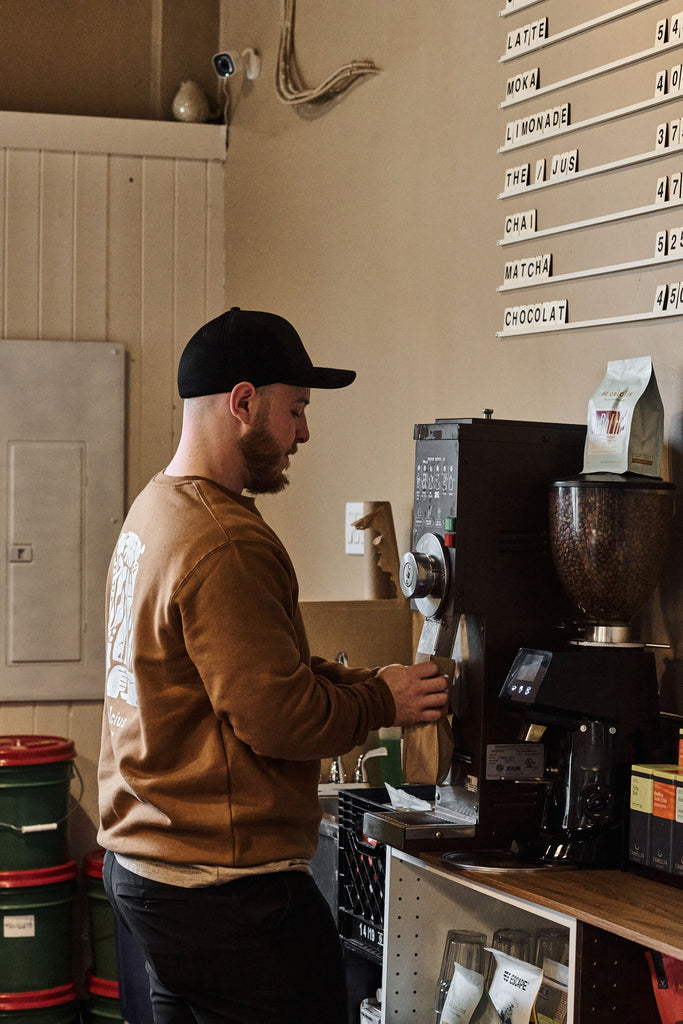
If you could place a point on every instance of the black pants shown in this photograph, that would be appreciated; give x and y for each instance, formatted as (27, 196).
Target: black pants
(260, 950)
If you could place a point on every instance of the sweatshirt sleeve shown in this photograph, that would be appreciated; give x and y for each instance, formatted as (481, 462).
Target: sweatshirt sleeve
(254, 662)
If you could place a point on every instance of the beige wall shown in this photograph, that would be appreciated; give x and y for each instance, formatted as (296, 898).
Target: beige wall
(109, 58)
(373, 224)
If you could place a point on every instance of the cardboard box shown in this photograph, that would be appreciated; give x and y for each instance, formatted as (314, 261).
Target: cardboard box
(640, 814)
(677, 853)
(663, 814)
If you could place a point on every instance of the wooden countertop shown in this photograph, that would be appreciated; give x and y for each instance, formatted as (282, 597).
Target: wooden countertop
(640, 909)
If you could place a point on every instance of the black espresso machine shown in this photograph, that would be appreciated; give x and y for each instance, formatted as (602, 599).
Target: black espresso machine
(594, 702)
(481, 572)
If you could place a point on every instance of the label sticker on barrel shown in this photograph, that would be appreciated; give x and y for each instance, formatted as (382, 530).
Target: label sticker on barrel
(19, 926)
(514, 761)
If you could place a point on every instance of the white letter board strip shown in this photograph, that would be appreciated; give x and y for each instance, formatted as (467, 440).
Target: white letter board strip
(515, 279)
(632, 318)
(585, 26)
(606, 218)
(586, 76)
(516, 138)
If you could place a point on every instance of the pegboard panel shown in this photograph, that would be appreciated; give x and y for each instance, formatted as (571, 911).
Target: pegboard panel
(421, 905)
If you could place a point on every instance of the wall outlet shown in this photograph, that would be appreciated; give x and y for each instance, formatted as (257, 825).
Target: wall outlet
(354, 539)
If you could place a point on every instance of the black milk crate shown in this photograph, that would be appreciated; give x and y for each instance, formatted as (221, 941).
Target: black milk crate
(362, 867)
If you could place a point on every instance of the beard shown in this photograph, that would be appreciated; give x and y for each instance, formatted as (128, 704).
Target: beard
(262, 460)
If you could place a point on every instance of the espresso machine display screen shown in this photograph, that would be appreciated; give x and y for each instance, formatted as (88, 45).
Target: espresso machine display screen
(526, 675)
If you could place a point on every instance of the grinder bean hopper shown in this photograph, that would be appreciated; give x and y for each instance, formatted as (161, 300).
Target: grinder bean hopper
(609, 534)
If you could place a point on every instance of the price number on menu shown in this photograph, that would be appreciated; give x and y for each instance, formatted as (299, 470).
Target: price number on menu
(669, 243)
(668, 298)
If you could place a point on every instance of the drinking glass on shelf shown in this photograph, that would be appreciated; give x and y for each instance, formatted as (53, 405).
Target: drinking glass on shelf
(462, 947)
(513, 941)
(552, 944)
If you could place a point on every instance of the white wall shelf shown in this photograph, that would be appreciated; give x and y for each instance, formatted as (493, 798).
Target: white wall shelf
(64, 133)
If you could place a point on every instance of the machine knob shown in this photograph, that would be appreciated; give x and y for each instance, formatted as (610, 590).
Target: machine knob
(597, 803)
(421, 575)
(424, 575)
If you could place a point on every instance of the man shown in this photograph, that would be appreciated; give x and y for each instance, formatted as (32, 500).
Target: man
(216, 715)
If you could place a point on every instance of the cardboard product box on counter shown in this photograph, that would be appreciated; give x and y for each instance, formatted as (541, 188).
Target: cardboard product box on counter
(656, 817)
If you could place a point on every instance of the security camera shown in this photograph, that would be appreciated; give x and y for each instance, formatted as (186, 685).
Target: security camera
(226, 64)
(223, 65)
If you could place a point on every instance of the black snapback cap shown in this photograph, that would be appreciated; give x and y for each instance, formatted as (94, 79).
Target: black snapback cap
(245, 345)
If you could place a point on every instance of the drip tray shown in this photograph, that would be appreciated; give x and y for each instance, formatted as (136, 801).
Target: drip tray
(415, 831)
(493, 861)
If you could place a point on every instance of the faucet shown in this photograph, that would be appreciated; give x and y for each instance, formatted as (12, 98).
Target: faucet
(359, 774)
(336, 770)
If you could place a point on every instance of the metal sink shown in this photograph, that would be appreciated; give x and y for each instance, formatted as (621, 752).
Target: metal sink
(330, 805)
(328, 794)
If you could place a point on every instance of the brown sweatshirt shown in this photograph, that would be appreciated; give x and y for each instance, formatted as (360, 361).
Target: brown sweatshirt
(215, 715)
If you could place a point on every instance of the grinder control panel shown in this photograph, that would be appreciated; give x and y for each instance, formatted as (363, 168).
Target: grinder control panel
(435, 496)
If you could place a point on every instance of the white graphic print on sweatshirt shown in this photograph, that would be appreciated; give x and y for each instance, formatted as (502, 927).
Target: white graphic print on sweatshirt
(120, 677)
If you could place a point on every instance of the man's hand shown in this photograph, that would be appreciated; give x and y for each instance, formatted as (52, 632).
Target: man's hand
(419, 692)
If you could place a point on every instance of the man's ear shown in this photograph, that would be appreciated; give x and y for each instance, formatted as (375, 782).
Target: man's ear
(242, 401)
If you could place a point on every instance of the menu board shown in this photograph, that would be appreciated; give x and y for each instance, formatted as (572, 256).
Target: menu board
(551, 140)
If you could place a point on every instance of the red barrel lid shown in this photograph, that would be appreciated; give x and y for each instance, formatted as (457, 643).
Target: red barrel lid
(102, 987)
(39, 876)
(92, 863)
(18, 750)
(36, 1000)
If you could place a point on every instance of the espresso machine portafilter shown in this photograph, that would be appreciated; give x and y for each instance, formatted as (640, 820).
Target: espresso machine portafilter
(480, 573)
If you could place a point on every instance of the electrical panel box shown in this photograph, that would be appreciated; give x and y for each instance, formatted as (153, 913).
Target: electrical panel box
(62, 463)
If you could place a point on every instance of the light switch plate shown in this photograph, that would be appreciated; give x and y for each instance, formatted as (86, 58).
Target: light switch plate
(354, 539)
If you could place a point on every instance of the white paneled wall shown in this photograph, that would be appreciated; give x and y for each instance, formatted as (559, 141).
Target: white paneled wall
(110, 230)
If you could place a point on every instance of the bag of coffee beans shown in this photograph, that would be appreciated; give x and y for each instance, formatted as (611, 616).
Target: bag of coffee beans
(626, 421)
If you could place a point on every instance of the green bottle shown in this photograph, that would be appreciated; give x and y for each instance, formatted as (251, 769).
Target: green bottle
(392, 766)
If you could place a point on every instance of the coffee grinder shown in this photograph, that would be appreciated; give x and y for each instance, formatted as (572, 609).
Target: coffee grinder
(481, 574)
(593, 702)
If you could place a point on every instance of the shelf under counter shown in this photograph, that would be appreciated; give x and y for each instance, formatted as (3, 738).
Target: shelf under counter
(639, 909)
(423, 900)
(612, 917)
